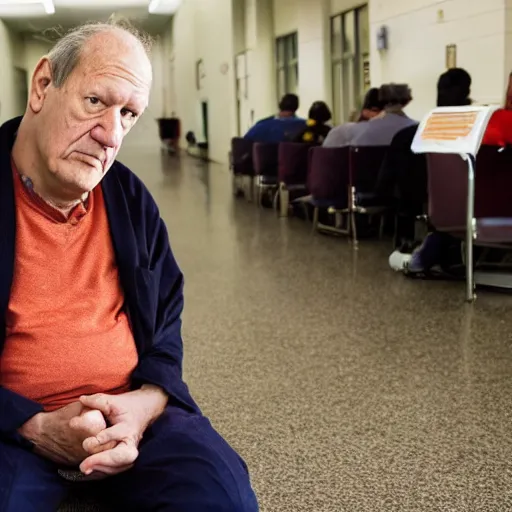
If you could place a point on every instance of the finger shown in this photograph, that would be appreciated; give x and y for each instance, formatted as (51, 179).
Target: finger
(119, 432)
(101, 448)
(100, 401)
(101, 472)
(91, 421)
(122, 455)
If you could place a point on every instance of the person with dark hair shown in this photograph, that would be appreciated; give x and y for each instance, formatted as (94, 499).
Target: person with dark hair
(342, 135)
(288, 105)
(280, 127)
(372, 105)
(403, 175)
(437, 248)
(316, 129)
(381, 129)
(453, 88)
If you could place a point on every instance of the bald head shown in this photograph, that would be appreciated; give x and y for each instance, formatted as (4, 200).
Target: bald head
(65, 55)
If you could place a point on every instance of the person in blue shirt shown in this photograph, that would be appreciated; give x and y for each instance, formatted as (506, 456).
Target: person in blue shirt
(281, 127)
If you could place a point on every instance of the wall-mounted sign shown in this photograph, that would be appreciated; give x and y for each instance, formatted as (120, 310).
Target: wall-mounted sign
(366, 72)
(451, 56)
(200, 74)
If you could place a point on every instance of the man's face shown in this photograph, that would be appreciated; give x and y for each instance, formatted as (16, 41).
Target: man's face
(81, 125)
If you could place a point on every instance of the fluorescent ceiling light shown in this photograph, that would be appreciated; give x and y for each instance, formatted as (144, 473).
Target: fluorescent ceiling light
(103, 4)
(49, 8)
(164, 6)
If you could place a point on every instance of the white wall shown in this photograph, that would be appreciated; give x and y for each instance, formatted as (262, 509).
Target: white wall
(145, 131)
(417, 42)
(33, 51)
(286, 16)
(508, 40)
(11, 55)
(418, 36)
(312, 22)
(203, 29)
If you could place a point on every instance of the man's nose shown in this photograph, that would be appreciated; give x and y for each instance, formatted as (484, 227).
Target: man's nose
(109, 131)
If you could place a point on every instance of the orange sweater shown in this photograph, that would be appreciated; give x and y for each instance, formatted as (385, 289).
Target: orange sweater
(67, 332)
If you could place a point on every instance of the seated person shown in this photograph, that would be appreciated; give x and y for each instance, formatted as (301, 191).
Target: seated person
(381, 130)
(342, 135)
(278, 128)
(403, 175)
(499, 130)
(437, 248)
(91, 302)
(316, 129)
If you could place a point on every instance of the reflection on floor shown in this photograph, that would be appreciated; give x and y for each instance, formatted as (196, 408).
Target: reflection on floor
(344, 386)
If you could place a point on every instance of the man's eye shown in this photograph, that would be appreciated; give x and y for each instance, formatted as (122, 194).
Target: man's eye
(93, 100)
(128, 113)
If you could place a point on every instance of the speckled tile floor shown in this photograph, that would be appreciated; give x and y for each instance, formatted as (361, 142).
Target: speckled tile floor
(344, 386)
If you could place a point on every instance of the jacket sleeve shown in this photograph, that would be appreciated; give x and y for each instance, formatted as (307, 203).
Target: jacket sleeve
(15, 410)
(161, 362)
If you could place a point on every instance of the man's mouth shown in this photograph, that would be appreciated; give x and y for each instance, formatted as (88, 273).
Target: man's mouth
(98, 158)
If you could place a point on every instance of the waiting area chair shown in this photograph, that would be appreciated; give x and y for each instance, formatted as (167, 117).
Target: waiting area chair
(293, 165)
(242, 167)
(265, 161)
(492, 217)
(329, 187)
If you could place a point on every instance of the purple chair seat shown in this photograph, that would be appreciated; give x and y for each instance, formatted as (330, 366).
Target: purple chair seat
(368, 199)
(494, 230)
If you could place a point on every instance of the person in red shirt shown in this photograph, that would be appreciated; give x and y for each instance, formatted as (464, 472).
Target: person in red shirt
(499, 129)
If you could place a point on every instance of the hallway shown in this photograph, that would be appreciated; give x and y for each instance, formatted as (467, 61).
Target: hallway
(344, 386)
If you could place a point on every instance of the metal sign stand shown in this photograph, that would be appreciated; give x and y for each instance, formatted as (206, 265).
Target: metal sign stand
(458, 130)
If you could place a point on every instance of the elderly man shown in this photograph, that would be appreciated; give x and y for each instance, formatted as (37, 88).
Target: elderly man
(91, 299)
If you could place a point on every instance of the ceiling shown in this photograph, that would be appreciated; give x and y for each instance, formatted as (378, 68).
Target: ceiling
(69, 13)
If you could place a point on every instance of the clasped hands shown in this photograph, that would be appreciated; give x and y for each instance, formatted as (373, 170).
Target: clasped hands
(78, 434)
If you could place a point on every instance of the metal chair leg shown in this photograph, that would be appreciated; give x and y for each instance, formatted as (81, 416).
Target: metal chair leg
(353, 227)
(275, 201)
(381, 226)
(234, 185)
(316, 214)
(284, 196)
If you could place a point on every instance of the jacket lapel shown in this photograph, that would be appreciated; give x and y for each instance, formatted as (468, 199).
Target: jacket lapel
(121, 231)
(7, 216)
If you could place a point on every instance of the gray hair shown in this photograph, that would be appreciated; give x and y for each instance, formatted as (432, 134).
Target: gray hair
(395, 94)
(65, 55)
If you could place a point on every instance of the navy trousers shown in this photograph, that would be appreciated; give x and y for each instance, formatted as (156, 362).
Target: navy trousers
(183, 466)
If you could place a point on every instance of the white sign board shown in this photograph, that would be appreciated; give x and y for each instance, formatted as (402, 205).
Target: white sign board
(457, 130)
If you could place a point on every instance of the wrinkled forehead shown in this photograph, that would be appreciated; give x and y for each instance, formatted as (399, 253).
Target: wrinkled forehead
(116, 53)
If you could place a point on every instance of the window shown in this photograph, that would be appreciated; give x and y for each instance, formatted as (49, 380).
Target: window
(287, 65)
(350, 51)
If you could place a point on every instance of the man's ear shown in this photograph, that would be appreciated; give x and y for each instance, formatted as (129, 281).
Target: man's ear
(41, 80)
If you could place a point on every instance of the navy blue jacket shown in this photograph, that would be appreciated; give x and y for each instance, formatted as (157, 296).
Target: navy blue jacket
(150, 277)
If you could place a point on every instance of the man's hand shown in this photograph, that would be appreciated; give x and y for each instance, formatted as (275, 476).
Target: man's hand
(130, 414)
(59, 435)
